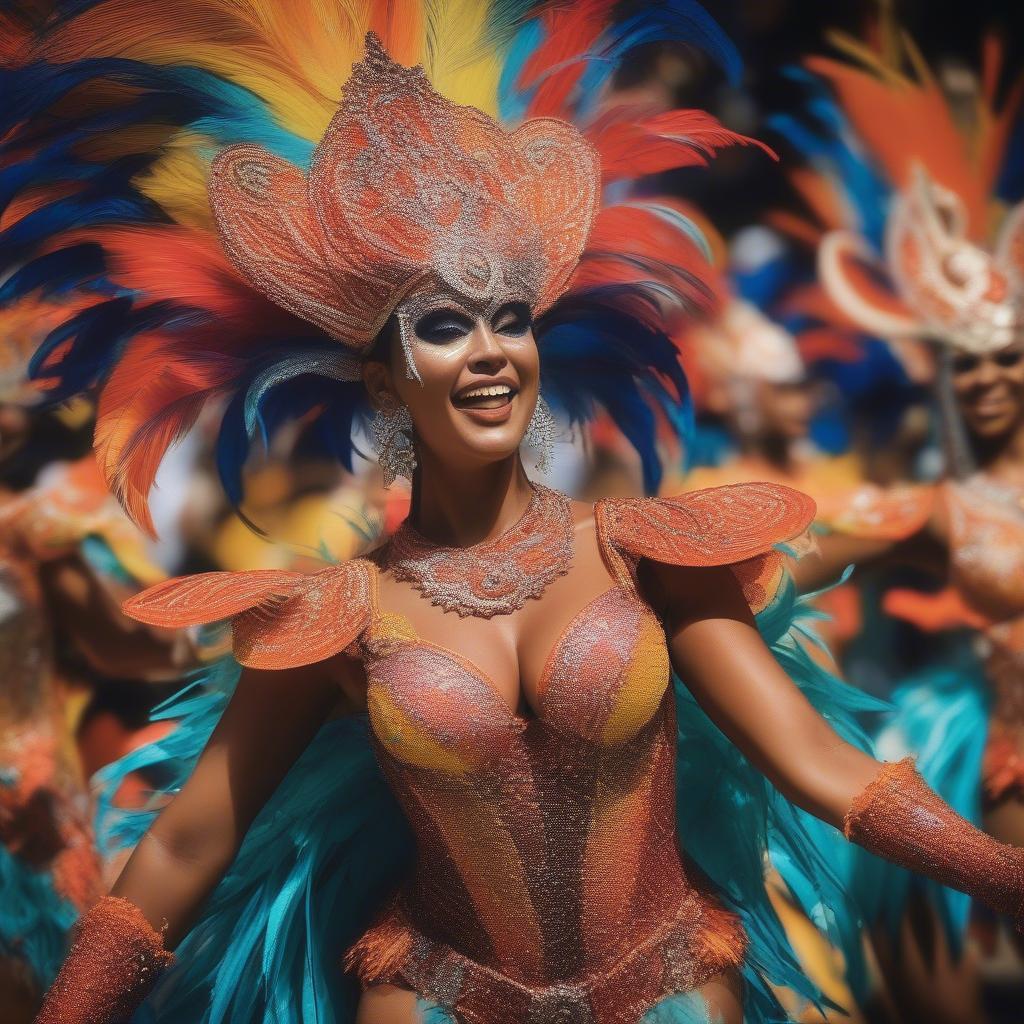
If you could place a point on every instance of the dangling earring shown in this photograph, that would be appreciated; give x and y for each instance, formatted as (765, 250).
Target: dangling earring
(540, 434)
(391, 430)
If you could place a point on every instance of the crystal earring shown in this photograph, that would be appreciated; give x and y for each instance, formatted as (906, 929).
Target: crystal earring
(391, 430)
(540, 434)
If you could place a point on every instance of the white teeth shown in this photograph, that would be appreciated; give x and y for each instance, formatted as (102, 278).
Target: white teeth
(487, 392)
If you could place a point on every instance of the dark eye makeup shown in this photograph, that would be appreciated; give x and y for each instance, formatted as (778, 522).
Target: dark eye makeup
(965, 364)
(512, 319)
(1005, 358)
(443, 325)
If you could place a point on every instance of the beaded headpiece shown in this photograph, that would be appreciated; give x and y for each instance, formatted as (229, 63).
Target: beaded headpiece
(408, 196)
(918, 264)
(947, 288)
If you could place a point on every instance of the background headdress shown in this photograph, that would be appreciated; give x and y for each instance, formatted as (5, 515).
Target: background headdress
(904, 194)
(114, 116)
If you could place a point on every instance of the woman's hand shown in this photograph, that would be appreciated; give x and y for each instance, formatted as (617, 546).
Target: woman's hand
(886, 808)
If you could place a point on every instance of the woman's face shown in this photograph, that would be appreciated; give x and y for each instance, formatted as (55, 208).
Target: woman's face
(990, 390)
(480, 378)
(786, 409)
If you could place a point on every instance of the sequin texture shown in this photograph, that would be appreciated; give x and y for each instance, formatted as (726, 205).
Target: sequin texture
(548, 883)
(114, 962)
(409, 195)
(900, 818)
(494, 578)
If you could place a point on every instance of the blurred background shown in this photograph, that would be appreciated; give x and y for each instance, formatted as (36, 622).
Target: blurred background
(786, 385)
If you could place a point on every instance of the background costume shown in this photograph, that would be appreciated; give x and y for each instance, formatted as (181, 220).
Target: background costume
(920, 244)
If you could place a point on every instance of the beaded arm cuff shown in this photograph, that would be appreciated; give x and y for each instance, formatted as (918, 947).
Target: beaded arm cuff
(900, 818)
(114, 961)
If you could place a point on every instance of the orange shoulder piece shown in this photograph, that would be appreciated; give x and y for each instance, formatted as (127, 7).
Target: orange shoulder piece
(877, 513)
(713, 526)
(278, 619)
(737, 525)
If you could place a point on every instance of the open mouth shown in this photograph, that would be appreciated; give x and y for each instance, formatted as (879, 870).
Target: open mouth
(487, 396)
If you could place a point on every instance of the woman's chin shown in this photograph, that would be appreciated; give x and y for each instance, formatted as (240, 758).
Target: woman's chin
(497, 447)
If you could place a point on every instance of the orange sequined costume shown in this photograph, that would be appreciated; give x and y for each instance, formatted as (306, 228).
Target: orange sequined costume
(985, 524)
(549, 878)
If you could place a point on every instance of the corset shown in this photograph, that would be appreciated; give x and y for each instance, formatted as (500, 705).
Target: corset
(548, 868)
(548, 883)
(987, 557)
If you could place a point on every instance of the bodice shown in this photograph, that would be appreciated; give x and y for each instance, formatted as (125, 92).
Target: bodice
(547, 844)
(986, 541)
(549, 877)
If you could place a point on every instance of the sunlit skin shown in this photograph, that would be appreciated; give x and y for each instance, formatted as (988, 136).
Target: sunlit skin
(455, 353)
(989, 392)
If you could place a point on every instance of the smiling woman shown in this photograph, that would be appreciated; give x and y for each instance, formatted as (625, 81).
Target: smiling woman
(571, 833)
(945, 282)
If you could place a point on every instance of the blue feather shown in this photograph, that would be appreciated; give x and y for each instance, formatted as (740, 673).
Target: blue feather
(595, 354)
(54, 271)
(667, 21)
(823, 135)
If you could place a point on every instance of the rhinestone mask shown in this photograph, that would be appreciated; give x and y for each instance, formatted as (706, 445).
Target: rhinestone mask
(409, 196)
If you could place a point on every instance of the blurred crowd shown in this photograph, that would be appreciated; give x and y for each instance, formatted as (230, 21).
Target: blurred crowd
(813, 367)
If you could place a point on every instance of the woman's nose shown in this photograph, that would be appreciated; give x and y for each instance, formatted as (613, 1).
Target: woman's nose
(987, 373)
(487, 355)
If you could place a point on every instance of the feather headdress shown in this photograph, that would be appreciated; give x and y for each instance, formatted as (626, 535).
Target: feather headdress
(239, 237)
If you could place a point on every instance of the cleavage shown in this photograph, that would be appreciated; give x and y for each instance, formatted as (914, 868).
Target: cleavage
(509, 652)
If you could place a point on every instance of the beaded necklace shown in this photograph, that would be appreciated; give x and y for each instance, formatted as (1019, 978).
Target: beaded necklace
(494, 577)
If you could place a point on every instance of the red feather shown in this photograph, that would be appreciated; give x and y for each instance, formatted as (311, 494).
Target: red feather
(631, 244)
(569, 33)
(168, 262)
(631, 145)
(150, 401)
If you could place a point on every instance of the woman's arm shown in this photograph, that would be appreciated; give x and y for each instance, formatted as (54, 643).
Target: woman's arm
(888, 809)
(267, 724)
(716, 648)
(833, 552)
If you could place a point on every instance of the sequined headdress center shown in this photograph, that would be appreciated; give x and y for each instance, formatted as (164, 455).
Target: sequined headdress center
(409, 196)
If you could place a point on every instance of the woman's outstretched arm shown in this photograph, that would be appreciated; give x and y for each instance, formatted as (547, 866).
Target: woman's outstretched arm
(888, 809)
(833, 552)
(125, 941)
(716, 648)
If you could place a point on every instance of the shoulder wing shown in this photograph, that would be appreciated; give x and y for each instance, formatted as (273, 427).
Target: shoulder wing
(278, 619)
(739, 525)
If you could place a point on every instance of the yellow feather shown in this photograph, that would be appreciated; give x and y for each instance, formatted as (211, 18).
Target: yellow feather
(461, 59)
(177, 181)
